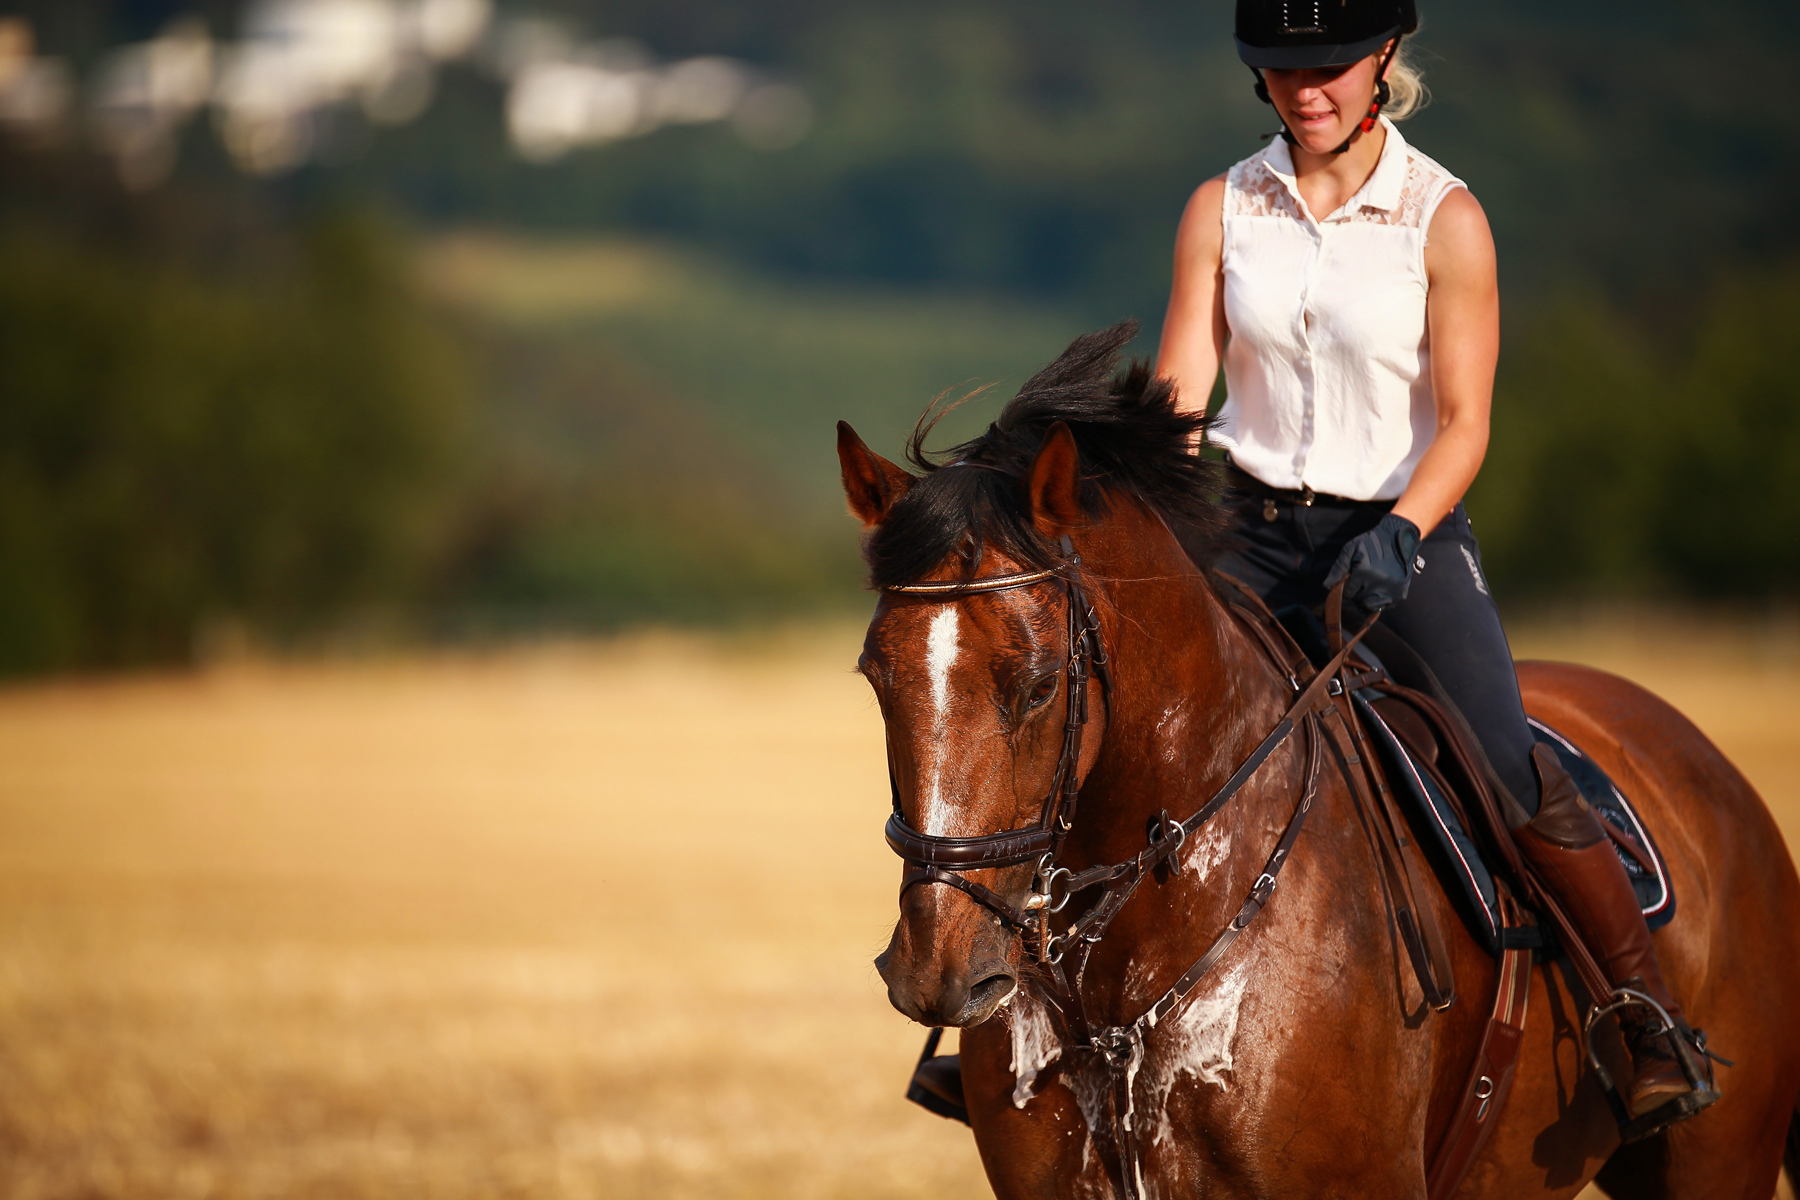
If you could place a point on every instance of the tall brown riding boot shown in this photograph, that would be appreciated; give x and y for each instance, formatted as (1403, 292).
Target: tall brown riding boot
(1575, 860)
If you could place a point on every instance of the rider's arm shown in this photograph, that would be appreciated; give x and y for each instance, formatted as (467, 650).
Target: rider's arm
(1462, 312)
(1194, 331)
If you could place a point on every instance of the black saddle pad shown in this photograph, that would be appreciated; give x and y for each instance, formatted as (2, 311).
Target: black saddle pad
(1456, 857)
(1656, 895)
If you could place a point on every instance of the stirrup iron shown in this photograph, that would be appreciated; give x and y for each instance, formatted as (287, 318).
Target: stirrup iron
(1691, 1054)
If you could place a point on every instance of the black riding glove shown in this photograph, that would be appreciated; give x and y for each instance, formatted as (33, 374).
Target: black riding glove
(1378, 564)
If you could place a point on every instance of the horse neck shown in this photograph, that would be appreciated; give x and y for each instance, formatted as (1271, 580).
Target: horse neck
(1192, 696)
(1192, 692)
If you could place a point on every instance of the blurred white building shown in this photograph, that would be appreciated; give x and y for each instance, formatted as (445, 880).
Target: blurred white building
(300, 66)
(35, 93)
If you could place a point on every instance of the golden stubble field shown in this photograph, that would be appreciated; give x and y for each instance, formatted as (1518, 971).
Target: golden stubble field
(573, 921)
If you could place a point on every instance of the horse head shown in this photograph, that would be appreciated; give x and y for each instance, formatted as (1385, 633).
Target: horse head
(976, 725)
(981, 652)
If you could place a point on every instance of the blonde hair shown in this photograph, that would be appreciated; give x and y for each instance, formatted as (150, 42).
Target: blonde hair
(1407, 92)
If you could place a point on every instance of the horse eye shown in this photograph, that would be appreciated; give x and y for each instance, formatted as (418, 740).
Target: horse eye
(1046, 688)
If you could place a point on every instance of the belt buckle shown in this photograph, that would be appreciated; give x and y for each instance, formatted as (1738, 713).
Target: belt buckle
(1307, 496)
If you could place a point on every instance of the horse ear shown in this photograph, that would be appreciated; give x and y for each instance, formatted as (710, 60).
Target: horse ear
(1055, 483)
(871, 483)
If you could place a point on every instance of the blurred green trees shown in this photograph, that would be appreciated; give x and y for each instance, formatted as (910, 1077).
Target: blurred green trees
(227, 406)
(1624, 464)
(184, 451)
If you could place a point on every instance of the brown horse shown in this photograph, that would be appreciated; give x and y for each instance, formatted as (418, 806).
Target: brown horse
(1305, 1062)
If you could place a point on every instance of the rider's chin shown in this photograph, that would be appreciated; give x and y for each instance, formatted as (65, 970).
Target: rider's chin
(1316, 131)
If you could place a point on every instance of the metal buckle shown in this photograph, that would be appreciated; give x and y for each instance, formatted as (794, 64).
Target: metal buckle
(1165, 829)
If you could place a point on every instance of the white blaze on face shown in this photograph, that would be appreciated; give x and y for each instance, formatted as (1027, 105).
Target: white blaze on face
(941, 648)
(940, 656)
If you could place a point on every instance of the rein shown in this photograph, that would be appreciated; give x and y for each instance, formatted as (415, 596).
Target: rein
(1062, 959)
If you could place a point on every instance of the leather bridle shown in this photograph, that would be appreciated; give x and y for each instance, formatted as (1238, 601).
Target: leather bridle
(1061, 959)
(945, 859)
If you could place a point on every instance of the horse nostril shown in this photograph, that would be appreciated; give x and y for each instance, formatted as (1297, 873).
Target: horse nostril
(985, 997)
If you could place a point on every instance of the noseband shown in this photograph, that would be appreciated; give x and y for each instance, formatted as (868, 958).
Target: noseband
(944, 859)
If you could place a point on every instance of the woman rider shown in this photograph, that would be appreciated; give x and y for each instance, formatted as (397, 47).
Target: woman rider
(1359, 360)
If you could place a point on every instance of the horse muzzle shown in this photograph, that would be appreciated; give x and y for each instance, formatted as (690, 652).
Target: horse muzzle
(949, 962)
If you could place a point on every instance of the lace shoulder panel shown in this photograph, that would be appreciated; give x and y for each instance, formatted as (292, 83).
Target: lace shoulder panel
(1425, 184)
(1256, 191)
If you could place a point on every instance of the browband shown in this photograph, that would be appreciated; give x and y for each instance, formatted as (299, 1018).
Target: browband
(966, 587)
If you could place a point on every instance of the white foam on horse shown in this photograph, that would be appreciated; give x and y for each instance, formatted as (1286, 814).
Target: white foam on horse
(942, 645)
(1090, 1087)
(1034, 1043)
(1207, 849)
(1034, 1047)
(1207, 1031)
(1199, 1042)
(1169, 730)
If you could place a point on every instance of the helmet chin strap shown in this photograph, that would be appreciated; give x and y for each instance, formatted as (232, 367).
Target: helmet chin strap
(1382, 94)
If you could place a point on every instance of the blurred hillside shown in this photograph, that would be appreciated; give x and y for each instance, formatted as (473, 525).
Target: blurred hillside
(261, 376)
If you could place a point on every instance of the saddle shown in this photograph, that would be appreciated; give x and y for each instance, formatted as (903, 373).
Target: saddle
(1418, 772)
(1461, 816)
(1410, 749)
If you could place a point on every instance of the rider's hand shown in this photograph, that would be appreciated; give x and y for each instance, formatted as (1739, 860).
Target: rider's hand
(1378, 564)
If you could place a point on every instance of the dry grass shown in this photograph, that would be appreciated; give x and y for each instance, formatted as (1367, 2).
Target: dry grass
(573, 922)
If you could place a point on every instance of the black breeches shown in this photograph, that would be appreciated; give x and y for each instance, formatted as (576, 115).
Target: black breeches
(1448, 619)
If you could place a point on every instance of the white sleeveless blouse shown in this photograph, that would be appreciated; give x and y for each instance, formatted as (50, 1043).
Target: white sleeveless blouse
(1328, 369)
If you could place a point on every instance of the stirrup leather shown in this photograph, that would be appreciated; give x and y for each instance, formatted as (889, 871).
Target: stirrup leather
(1691, 1054)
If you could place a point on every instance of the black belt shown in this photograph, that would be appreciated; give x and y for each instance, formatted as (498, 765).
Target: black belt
(1239, 480)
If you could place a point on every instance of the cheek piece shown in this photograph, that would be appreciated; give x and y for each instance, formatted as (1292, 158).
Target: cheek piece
(1383, 93)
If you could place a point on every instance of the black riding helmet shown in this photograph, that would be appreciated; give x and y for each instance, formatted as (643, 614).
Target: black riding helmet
(1296, 34)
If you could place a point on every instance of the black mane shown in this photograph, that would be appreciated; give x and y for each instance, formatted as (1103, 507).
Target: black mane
(1131, 438)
